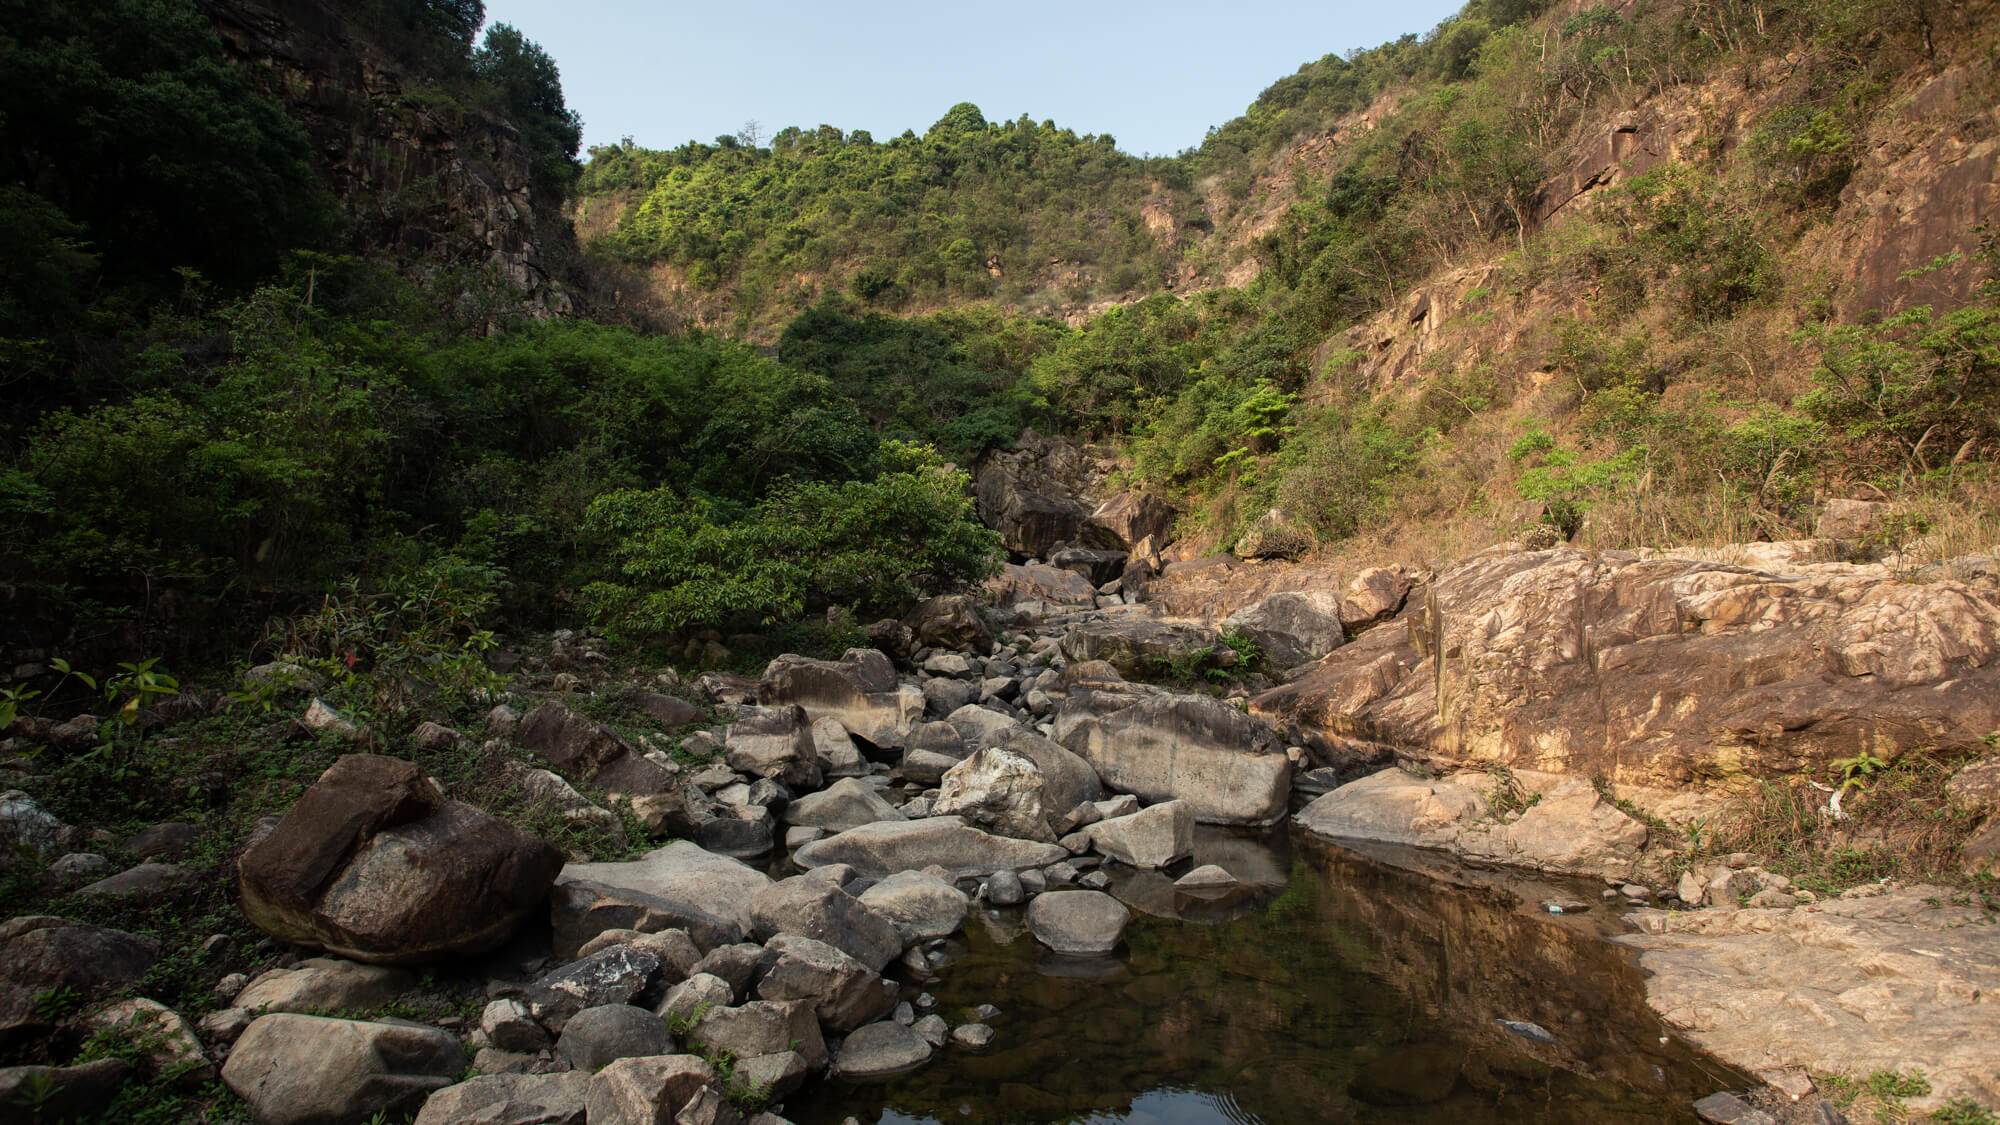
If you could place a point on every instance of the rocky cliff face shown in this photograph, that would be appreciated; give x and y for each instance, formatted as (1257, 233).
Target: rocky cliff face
(425, 180)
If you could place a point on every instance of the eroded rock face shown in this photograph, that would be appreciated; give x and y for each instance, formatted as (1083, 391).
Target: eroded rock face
(774, 742)
(998, 790)
(1134, 517)
(1863, 983)
(859, 691)
(1140, 647)
(1032, 495)
(1662, 672)
(375, 865)
(1040, 582)
(1193, 748)
(1289, 628)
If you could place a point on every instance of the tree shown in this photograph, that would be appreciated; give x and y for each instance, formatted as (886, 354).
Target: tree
(529, 89)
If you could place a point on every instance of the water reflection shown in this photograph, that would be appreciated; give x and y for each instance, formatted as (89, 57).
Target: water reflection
(1331, 987)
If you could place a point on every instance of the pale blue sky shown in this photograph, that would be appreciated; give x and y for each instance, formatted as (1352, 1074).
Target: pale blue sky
(1156, 76)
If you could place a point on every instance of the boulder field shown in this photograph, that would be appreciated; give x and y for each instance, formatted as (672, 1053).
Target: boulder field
(1549, 710)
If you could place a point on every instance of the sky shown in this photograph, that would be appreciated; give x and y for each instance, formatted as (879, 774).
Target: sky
(1155, 76)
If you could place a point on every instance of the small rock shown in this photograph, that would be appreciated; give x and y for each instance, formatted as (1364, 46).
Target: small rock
(933, 1028)
(1728, 1109)
(1003, 888)
(973, 1036)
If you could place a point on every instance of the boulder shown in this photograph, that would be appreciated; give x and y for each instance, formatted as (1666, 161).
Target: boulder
(843, 992)
(667, 710)
(998, 790)
(924, 767)
(24, 823)
(944, 841)
(61, 1093)
(920, 906)
(1289, 628)
(324, 984)
(581, 749)
(1140, 647)
(952, 622)
(645, 1091)
(847, 803)
(375, 865)
(149, 884)
(1152, 837)
(1081, 923)
(943, 695)
(698, 993)
(859, 691)
(838, 756)
(509, 1099)
(1195, 748)
(763, 1027)
(817, 909)
(305, 1070)
(774, 742)
(596, 1037)
(510, 1026)
(1040, 583)
(713, 891)
(609, 976)
(1131, 518)
(1851, 519)
(1275, 535)
(1099, 567)
(881, 1049)
(168, 1048)
(42, 956)
(1374, 594)
(1031, 495)
(1663, 672)
(169, 839)
(548, 788)
(736, 964)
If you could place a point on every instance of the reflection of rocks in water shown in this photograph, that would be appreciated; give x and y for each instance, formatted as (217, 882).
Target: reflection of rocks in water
(1257, 860)
(1335, 989)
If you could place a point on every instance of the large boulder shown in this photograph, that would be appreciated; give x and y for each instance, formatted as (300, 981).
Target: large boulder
(847, 803)
(859, 690)
(595, 1037)
(581, 749)
(324, 984)
(1194, 748)
(61, 1093)
(943, 841)
(1662, 672)
(920, 906)
(763, 1027)
(1080, 923)
(307, 1070)
(374, 864)
(774, 742)
(42, 956)
(1151, 837)
(1032, 495)
(881, 1049)
(1140, 647)
(844, 993)
(679, 886)
(817, 909)
(950, 621)
(645, 1091)
(1290, 628)
(998, 790)
(1374, 594)
(510, 1099)
(1040, 582)
(1098, 567)
(1130, 518)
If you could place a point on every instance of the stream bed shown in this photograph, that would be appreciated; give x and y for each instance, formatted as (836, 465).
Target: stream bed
(1337, 985)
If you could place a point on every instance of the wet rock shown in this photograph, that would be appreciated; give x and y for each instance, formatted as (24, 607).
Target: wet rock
(301, 1070)
(509, 1099)
(1205, 878)
(1199, 749)
(645, 1091)
(324, 984)
(1004, 888)
(920, 906)
(946, 841)
(1153, 837)
(972, 1036)
(774, 742)
(815, 909)
(881, 1049)
(679, 886)
(933, 1028)
(847, 803)
(843, 992)
(596, 1037)
(1078, 922)
(374, 864)
(42, 956)
(1290, 629)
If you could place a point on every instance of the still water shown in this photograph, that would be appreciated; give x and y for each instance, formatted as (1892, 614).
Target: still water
(1336, 986)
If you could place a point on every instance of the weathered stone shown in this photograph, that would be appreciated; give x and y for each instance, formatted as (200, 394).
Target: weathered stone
(736, 964)
(1850, 519)
(972, 1036)
(42, 956)
(61, 1093)
(816, 909)
(23, 822)
(1153, 837)
(304, 1070)
(1289, 628)
(1373, 595)
(679, 886)
(1099, 567)
(924, 767)
(859, 691)
(698, 993)
(774, 1076)
(881, 1049)
(168, 1047)
(1131, 518)
(943, 695)
(667, 710)
(920, 906)
(509, 1099)
(763, 1027)
(848, 803)
(951, 622)
(1206, 878)
(324, 984)
(322, 718)
(645, 1091)
(77, 867)
(1004, 888)
(741, 833)
(1662, 671)
(169, 839)
(510, 1026)
(1083, 923)
(1039, 583)
(947, 841)
(708, 1107)
(838, 756)
(149, 884)
(596, 1037)
(843, 992)
(998, 790)
(549, 789)
(933, 1028)
(374, 864)
(1031, 495)
(610, 976)
(677, 951)
(1140, 647)
(774, 742)
(1182, 747)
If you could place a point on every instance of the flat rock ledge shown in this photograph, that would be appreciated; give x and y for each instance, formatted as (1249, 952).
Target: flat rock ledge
(1879, 979)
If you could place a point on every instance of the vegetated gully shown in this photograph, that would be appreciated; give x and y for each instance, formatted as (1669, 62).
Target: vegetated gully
(1339, 983)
